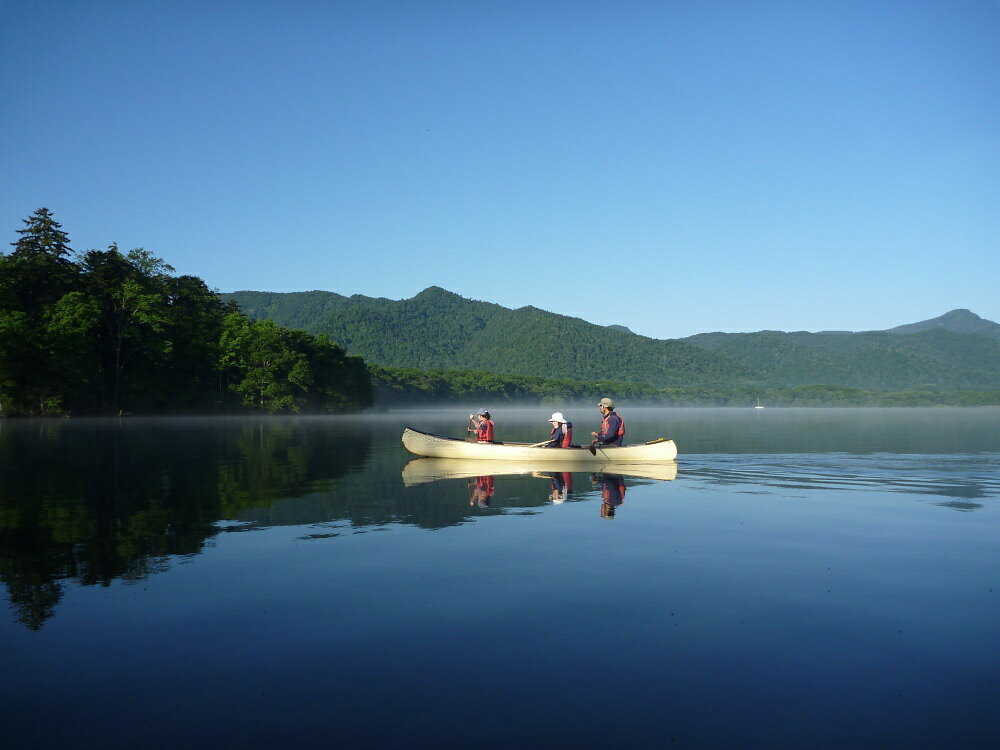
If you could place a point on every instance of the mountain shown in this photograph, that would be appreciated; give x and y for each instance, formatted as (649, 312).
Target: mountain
(875, 360)
(440, 329)
(959, 321)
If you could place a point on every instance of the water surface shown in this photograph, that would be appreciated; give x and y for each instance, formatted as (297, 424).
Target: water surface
(808, 577)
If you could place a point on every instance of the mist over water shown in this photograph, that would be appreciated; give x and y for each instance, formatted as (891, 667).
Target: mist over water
(800, 574)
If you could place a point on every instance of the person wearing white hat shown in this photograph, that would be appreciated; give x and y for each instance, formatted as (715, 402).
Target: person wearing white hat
(562, 431)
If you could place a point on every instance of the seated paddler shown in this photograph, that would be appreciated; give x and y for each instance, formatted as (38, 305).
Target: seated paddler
(612, 429)
(481, 424)
(562, 431)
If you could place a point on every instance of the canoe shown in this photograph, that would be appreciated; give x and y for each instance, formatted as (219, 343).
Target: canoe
(424, 470)
(439, 446)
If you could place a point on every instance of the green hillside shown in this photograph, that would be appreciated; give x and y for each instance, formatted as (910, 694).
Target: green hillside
(876, 360)
(438, 329)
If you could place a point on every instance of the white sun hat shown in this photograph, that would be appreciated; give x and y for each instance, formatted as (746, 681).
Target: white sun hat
(558, 417)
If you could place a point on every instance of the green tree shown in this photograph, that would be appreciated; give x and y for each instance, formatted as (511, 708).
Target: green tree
(129, 290)
(34, 276)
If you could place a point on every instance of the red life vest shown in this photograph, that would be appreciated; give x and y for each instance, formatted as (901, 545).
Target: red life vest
(621, 424)
(484, 431)
(567, 436)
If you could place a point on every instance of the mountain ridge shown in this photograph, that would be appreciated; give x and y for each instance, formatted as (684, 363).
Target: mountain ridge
(437, 328)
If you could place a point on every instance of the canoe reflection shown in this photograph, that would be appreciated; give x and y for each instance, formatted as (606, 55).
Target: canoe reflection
(480, 479)
(423, 470)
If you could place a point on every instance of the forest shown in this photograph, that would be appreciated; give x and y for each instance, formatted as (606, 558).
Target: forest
(440, 330)
(112, 332)
(107, 332)
(399, 386)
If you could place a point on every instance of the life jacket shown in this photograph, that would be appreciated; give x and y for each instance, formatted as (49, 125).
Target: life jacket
(621, 425)
(567, 435)
(484, 431)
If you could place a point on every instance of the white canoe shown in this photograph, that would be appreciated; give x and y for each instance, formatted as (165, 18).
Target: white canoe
(438, 446)
(423, 470)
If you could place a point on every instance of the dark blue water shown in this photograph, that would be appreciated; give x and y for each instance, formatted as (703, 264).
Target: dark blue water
(809, 578)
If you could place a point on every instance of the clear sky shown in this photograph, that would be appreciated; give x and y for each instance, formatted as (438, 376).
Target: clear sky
(676, 167)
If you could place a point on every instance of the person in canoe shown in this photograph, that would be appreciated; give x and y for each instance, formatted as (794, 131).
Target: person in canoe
(612, 430)
(562, 432)
(482, 426)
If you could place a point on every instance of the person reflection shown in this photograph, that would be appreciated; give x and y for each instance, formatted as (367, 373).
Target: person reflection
(562, 486)
(481, 491)
(612, 489)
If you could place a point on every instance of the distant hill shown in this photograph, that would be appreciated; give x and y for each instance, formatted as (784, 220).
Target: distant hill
(959, 321)
(877, 360)
(438, 329)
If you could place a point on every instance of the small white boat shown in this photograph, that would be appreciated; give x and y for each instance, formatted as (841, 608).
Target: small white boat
(423, 470)
(420, 443)
(758, 406)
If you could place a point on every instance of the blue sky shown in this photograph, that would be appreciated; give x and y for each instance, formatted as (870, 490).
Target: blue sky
(677, 167)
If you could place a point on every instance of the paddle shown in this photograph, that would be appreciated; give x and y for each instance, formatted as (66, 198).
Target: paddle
(593, 450)
(539, 445)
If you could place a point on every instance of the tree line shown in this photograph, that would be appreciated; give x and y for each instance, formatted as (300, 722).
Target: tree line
(400, 386)
(112, 332)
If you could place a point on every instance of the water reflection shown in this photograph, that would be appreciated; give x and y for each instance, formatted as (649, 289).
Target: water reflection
(105, 500)
(91, 502)
(423, 470)
(612, 487)
(966, 478)
(561, 485)
(481, 491)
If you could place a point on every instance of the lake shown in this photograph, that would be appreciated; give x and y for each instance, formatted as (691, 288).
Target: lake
(804, 577)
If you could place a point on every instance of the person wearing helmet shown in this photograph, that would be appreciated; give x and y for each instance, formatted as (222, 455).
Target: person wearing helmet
(612, 430)
(481, 424)
(562, 432)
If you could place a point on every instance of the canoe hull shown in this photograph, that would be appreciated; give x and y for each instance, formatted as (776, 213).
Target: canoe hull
(438, 446)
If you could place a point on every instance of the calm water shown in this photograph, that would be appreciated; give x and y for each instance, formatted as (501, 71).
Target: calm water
(807, 578)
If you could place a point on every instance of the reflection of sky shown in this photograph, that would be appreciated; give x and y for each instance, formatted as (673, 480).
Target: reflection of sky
(960, 476)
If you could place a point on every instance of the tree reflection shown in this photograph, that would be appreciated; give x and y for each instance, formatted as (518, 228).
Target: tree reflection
(99, 501)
